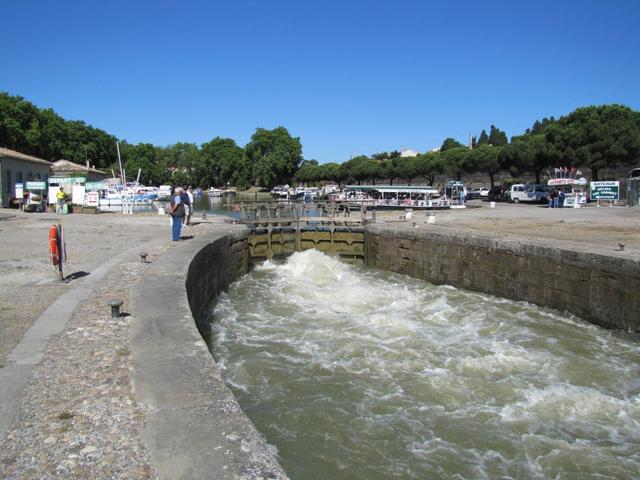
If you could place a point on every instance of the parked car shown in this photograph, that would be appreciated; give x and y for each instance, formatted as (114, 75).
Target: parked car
(476, 193)
(498, 194)
(529, 193)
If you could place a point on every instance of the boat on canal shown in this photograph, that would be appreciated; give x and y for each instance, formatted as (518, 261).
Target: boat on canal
(393, 197)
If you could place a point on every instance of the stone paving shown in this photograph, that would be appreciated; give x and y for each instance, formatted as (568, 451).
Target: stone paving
(78, 418)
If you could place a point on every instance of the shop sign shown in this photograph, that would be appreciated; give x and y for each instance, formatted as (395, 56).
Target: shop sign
(60, 180)
(19, 190)
(609, 190)
(36, 185)
(95, 185)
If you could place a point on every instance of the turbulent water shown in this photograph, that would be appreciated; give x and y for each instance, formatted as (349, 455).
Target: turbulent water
(353, 373)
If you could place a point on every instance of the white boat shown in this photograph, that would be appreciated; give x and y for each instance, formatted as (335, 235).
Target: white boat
(280, 191)
(164, 192)
(389, 197)
(115, 197)
(214, 192)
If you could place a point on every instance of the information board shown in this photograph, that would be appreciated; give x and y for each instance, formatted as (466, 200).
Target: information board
(36, 186)
(609, 190)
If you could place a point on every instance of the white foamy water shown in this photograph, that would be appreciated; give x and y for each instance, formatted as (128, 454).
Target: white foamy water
(353, 373)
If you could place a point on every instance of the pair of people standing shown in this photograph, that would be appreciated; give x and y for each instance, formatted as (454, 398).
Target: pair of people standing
(556, 198)
(180, 209)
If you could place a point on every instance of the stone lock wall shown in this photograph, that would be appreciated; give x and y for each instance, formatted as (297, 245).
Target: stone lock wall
(601, 289)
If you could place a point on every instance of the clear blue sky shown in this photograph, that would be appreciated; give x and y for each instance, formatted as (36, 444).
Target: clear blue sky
(347, 77)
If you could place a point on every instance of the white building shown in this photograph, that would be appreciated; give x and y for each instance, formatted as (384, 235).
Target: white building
(407, 152)
(16, 167)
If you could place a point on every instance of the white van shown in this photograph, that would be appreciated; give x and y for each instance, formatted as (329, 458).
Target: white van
(528, 193)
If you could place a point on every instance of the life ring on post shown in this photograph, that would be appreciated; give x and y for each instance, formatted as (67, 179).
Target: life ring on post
(54, 241)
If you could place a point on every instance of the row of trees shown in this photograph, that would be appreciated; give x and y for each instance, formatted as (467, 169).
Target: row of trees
(271, 157)
(596, 138)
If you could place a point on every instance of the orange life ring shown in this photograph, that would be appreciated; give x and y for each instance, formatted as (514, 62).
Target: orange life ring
(54, 241)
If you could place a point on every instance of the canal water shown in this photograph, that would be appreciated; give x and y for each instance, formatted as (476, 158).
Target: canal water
(355, 373)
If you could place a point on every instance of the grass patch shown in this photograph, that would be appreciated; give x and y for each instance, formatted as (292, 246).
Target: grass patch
(65, 416)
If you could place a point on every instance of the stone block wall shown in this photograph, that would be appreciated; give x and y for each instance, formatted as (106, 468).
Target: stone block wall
(601, 289)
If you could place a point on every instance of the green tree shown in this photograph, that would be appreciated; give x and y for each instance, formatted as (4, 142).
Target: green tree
(450, 143)
(454, 161)
(145, 157)
(597, 137)
(528, 153)
(222, 162)
(274, 156)
(483, 139)
(497, 137)
(484, 159)
(429, 165)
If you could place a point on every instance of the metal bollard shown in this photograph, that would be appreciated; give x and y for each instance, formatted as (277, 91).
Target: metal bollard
(204, 215)
(621, 247)
(115, 307)
(143, 257)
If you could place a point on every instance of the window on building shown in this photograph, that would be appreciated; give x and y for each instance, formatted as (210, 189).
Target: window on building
(19, 177)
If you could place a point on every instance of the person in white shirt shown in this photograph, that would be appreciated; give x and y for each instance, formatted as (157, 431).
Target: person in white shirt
(190, 211)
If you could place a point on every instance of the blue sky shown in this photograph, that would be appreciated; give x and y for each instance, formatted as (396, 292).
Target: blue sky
(347, 77)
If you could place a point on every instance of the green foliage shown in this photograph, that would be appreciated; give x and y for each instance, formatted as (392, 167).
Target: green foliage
(597, 137)
(454, 161)
(484, 159)
(450, 143)
(497, 137)
(222, 162)
(145, 157)
(44, 134)
(386, 155)
(429, 165)
(274, 156)
(483, 139)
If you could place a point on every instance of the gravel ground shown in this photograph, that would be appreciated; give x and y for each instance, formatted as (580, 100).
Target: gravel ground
(77, 417)
(591, 228)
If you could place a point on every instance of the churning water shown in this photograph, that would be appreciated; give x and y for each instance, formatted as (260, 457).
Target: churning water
(353, 373)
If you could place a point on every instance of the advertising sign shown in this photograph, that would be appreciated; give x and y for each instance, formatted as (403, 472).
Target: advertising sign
(95, 185)
(36, 186)
(19, 190)
(61, 180)
(92, 199)
(609, 190)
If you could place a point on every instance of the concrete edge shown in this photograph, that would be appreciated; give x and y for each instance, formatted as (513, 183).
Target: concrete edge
(194, 426)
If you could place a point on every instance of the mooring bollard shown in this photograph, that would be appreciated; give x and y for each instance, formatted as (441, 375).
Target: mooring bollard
(204, 215)
(621, 247)
(115, 307)
(143, 257)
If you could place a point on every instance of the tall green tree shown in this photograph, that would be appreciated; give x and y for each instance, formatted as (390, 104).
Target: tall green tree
(222, 162)
(484, 159)
(497, 137)
(274, 156)
(455, 161)
(449, 143)
(597, 137)
(483, 139)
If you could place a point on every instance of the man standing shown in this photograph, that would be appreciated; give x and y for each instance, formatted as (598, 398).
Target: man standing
(60, 200)
(176, 210)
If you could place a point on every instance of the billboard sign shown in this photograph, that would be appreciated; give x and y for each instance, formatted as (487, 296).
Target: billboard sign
(609, 190)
